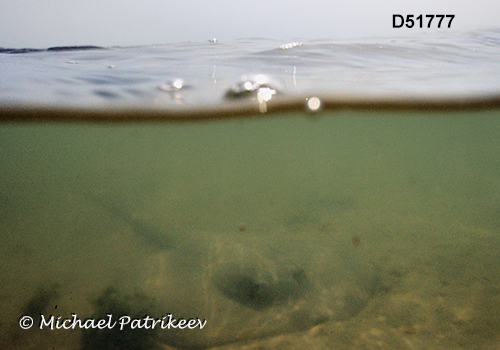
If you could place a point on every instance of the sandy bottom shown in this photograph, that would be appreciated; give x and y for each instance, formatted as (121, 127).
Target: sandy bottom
(432, 295)
(439, 285)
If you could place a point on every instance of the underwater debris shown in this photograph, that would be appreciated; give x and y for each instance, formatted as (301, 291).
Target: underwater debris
(356, 241)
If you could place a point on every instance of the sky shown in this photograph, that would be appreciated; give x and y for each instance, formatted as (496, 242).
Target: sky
(46, 23)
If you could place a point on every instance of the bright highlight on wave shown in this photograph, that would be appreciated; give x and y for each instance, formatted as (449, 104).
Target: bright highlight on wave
(290, 45)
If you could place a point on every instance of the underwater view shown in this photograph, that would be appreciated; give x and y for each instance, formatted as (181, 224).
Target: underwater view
(317, 195)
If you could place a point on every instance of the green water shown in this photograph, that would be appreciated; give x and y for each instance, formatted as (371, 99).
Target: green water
(418, 193)
(220, 172)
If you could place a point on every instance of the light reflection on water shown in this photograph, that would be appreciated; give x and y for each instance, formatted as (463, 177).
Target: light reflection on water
(438, 64)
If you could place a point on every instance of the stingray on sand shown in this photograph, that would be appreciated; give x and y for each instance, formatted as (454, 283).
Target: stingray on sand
(246, 285)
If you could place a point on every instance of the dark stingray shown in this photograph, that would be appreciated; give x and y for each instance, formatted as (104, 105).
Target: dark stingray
(247, 285)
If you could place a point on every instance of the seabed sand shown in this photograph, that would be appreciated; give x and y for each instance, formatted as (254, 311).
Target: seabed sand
(434, 294)
(439, 287)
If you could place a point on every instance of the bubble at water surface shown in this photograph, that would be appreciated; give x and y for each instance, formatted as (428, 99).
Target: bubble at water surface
(256, 87)
(172, 85)
(313, 104)
(250, 85)
(174, 88)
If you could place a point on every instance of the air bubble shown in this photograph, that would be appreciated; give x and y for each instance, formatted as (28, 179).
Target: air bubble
(255, 87)
(173, 85)
(313, 104)
(175, 88)
(250, 86)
